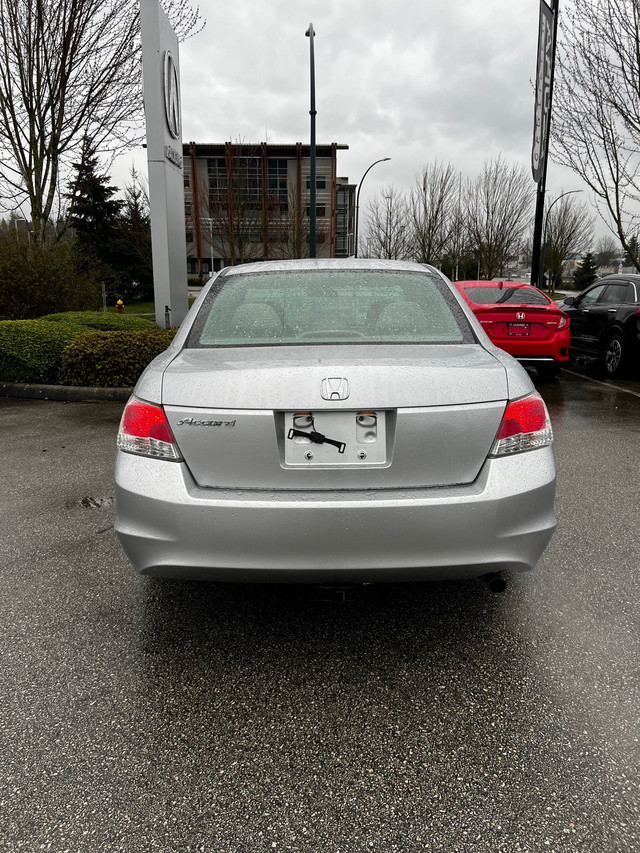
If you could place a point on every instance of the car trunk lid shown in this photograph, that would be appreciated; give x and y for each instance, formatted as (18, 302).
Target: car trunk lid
(409, 415)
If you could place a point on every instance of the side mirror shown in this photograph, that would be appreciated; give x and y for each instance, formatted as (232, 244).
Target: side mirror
(570, 300)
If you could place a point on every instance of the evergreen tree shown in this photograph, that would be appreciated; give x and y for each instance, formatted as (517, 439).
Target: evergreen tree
(94, 212)
(586, 272)
(633, 250)
(134, 243)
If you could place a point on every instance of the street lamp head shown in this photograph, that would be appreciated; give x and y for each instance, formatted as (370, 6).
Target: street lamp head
(381, 160)
(310, 32)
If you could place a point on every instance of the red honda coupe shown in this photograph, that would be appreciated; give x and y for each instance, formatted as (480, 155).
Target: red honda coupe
(521, 320)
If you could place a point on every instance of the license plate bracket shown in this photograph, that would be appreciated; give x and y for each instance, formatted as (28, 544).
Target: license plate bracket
(352, 438)
(519, 329)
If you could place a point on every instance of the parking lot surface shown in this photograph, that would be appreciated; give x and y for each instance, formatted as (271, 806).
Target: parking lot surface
(140, 715)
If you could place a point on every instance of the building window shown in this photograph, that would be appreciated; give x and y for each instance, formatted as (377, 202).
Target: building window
(246, 178)
(277, 178)
(321, 211)
(217, 173)
(321, 182)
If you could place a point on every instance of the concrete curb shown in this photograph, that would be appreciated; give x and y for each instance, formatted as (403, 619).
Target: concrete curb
(65, 393)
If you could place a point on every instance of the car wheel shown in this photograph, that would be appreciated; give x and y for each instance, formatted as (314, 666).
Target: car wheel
(614, 356)
(547, 370)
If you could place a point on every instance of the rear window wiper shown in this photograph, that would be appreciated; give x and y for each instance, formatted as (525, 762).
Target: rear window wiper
(507, 296)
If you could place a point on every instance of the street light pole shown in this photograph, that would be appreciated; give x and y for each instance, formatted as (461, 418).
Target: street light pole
(355, 247)
(312, 148)
(544, 240)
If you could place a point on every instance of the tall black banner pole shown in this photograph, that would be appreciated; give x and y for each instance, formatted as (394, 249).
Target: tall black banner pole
(542, 121)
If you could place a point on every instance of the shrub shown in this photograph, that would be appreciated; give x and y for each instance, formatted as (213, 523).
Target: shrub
(36, 280)
(30, 350)
(111, 359)
(102, 321)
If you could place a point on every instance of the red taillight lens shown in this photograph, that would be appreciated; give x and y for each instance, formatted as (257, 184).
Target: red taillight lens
(525, 426)
(145, 431)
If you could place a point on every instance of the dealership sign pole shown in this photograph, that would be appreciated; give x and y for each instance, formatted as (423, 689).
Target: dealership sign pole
(547, 33)
(161, 85)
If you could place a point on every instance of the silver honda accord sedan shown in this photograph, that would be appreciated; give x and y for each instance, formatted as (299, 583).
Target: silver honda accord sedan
(333, 420)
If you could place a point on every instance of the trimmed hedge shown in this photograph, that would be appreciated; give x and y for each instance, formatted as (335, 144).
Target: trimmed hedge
(102, 321)
(30, 350)
(111, 359)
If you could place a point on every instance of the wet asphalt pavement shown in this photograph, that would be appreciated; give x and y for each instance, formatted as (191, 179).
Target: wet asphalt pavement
(139, 715)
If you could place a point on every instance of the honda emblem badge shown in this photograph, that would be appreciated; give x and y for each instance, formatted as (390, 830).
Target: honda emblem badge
(334, 388)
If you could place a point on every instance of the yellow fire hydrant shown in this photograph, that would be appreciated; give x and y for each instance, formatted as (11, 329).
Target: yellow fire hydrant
(120, 305)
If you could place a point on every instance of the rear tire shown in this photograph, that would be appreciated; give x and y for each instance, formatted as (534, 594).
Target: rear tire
(547, 370)
(615, 354)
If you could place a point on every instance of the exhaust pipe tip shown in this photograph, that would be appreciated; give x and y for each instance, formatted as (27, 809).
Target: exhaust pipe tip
(496, 582)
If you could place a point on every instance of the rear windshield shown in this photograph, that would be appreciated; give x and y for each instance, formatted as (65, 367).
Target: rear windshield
(500, 295)
(322, 307)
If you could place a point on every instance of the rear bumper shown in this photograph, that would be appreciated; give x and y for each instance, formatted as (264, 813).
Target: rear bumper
(556, 349)
(169, 527)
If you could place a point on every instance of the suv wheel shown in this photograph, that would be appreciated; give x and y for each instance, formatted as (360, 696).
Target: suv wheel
(614, 356)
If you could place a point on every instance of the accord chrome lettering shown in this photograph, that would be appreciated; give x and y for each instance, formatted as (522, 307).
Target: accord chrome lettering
(197, 422)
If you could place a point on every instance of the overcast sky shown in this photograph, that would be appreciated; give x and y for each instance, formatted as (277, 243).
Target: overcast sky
(413, 80)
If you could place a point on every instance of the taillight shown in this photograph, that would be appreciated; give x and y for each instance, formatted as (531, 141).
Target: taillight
(525, 426)
(145, 431)
(564, 321)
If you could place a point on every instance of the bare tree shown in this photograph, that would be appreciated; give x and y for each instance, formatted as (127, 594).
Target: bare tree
(70, 71)
(290, 229)
(498, 209)
(433, 204)
(607, 250)
(459, 261)
(247, 225)
(388, 226)
(234, 207)
(569, 232)
(596, 126)
(248, 217)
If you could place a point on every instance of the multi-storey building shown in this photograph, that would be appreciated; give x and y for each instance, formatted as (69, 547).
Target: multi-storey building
(251, 202)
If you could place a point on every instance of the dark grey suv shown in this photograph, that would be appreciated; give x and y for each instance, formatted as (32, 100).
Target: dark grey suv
(605, 322)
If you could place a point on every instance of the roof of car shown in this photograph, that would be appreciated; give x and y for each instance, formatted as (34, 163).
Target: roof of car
(328, 264)
(618, 275)
(493, 282)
